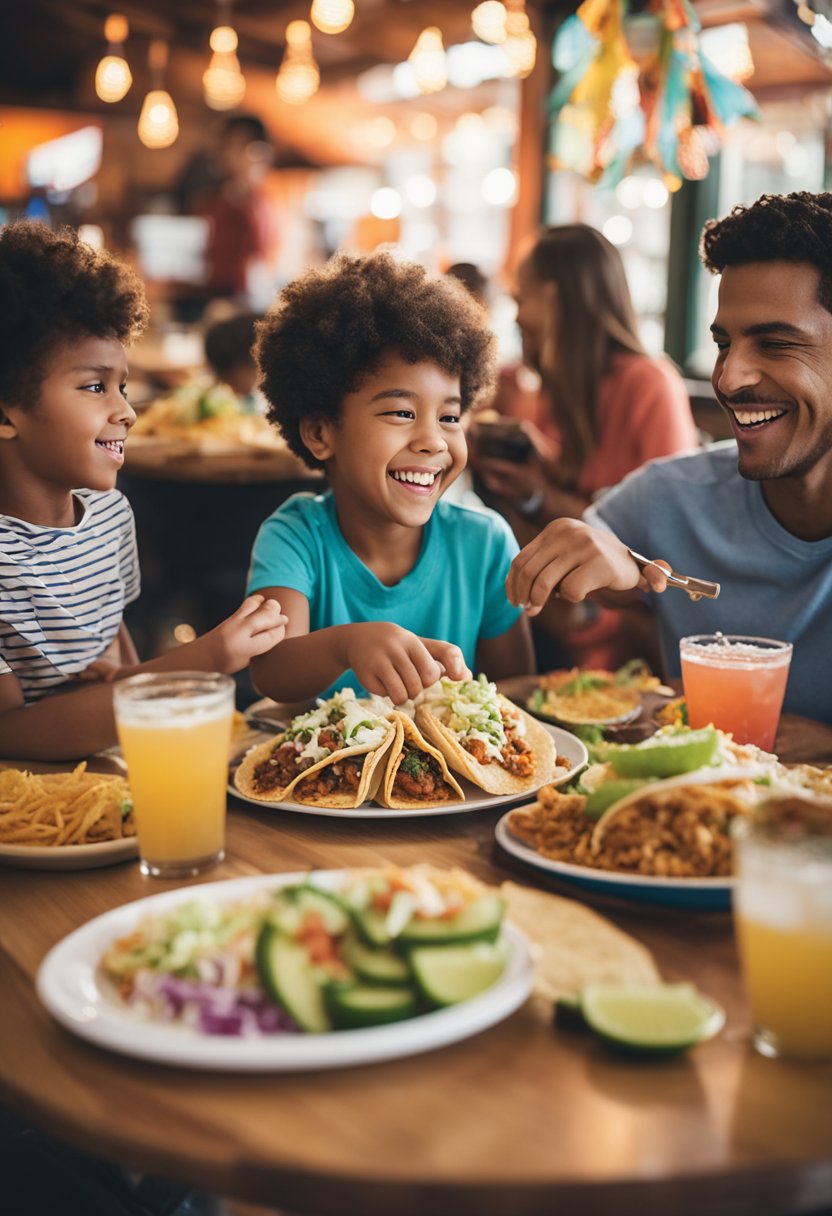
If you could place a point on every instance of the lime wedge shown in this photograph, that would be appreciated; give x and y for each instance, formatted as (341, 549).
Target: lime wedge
(664, 755)
(651, 1019)
(606, 795)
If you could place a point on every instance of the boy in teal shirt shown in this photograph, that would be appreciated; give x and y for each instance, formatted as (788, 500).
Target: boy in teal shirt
(368, 365)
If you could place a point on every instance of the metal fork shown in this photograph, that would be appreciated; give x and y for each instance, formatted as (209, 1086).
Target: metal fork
(695, 587)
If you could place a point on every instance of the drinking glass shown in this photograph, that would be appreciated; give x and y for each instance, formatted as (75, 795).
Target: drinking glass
(737, 683)
(175, 733)
(783, 919)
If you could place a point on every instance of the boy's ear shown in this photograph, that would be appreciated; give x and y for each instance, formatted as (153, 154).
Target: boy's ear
(317, 436)
(8, 430)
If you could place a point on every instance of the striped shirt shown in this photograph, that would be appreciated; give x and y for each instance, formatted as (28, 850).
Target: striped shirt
(63, 590)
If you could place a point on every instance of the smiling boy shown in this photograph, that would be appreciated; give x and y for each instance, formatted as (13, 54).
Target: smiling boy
(68, 561)
(369, 365)
(754, 514)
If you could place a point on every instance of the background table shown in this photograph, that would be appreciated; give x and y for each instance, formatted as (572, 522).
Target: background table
(522, 1120)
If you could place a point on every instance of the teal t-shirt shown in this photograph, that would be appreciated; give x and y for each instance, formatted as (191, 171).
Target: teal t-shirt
(455, 592)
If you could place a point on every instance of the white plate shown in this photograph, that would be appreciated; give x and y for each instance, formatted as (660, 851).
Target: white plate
(566, 744)
(704, 893)
(72, 987)
(70, 856)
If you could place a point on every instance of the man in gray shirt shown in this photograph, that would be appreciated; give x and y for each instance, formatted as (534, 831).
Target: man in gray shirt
(755, 513)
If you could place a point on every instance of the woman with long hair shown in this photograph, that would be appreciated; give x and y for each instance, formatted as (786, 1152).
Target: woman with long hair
(606, 406)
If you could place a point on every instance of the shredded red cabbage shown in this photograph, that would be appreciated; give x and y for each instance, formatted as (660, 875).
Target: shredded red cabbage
(217, 1010)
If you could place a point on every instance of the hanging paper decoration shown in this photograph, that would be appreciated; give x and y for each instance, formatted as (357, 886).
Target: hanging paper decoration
(635, 89)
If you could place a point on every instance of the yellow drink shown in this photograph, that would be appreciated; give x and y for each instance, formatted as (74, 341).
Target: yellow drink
(175, 733)
(788, 976)
(783, 916)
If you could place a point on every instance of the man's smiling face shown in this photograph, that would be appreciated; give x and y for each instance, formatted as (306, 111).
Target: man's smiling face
(773, 372)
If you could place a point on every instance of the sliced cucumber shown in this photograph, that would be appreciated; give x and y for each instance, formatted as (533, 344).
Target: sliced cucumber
(291, 979)
(478, 921)
(293, 904)
(372, 926)
(353, 1006)
(450, 974)
(375, 965)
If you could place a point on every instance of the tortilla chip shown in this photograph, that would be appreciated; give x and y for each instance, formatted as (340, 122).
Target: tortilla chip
(407, 730)
(576, 946)
(492, 777)
(246, 783)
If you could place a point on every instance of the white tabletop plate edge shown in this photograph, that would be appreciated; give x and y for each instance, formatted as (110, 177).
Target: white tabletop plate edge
(70, 856)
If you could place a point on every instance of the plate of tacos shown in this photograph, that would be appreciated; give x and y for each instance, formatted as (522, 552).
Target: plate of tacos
(652, 821)
(461, 747)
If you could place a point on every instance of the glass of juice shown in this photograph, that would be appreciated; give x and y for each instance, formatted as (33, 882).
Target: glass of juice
(783, 919)
(736, 683)
(175, 732)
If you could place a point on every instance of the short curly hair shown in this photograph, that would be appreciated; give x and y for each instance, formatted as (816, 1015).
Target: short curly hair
(332, 326)
(54, 289)
(778, 227)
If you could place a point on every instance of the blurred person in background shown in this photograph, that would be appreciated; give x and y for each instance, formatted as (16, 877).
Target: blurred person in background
(228, 353)
(606, 407)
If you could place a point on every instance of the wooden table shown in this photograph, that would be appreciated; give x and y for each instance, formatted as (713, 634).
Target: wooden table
(522, 1120)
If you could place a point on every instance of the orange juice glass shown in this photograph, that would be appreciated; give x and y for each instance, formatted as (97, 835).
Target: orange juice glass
(175, 731)
(736, 683)
(783, 918)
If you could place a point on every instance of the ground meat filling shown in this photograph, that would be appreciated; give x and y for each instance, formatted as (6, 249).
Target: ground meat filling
(516, 757)
(285, 762)
(420, 776)
(340, 777)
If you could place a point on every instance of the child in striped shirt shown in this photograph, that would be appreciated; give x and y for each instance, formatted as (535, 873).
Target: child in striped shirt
(68, 561)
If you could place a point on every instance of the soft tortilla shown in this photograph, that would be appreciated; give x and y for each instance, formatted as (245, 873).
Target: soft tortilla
(245, 782)
(576, 946)
(492, 777)
(407, 730)
(372, 774)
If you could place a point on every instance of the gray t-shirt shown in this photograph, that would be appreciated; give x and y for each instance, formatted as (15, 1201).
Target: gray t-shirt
(698, 513)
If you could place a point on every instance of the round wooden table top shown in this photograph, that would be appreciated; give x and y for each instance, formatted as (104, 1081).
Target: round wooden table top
(521, 1120)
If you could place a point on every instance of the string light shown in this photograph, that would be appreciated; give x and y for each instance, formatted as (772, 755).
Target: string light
(488, 21)
(112, 76)
(158, 122)
(223, 83)
(428, 59)
(520, 43)
(332, 16)
(298, 76)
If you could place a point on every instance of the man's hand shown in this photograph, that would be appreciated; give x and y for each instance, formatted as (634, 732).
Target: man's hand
(570, 559)
(395, 663)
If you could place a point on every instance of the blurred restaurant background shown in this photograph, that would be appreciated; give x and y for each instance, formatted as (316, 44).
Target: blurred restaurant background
(449, 130)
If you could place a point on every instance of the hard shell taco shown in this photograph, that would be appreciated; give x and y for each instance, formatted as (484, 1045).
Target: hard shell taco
(330, 757)
(486, 737)
(415, 774)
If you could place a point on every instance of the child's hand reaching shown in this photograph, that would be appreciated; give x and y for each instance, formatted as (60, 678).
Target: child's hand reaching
(256, 626)
(395, 663)
(571, 559)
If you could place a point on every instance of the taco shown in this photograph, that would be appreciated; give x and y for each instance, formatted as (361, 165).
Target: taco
(485, 737)
(329, 757)
(415, 774)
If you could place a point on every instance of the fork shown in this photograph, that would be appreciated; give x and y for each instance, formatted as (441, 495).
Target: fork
(695, 587)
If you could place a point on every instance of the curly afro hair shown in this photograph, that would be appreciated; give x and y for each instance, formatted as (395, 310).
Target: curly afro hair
(331, 327)
(54, 289)
(778, 227)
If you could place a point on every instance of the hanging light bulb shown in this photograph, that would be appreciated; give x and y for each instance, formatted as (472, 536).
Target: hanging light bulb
(332, 16)
(488, 21)
(520, 45)
(158, 122)
(298, 76)
(428, 59)
(222, 80)
(112, 76)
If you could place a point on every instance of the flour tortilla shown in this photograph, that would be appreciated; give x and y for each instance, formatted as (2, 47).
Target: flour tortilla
(408, 731)
(244, 778)
(492, 777)
(576, 946)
